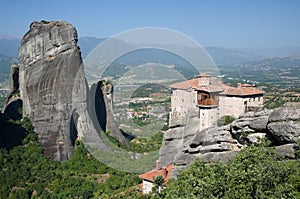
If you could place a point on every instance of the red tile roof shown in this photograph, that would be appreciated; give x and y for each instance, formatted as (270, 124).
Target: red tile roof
(151, 174)
(185, 85)
(242, 90)
(215, 86)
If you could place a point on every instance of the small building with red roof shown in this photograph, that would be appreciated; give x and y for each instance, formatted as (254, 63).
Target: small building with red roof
(148, 177)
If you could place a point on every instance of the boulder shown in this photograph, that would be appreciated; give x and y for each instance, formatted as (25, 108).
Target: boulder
(286, 151)
(213, 136)
(284, 124)
(249, 123)
(255, 138)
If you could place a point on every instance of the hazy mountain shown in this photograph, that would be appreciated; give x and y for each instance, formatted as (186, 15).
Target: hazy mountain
(279, 71)
(226, 56)
(9, 47)
(275, 51)
(221, 56)
(87, 44)
(5, 63)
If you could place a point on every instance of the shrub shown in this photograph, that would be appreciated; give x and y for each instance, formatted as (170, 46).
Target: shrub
(224, 120)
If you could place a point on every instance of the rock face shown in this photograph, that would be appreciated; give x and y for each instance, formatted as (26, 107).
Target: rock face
(50, 82)
(280, 126)
(49, 61)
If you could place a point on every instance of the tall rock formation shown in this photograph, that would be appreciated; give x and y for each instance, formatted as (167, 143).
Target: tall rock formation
(53, 90)
(49, 61)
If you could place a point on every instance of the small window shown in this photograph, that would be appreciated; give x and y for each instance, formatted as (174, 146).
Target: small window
(259, 99)
(254, 99)
(182, 100)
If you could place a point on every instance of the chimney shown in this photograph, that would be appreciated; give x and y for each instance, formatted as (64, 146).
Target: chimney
(164, 172)
(239, 85)
(203, 80)
(157, 165)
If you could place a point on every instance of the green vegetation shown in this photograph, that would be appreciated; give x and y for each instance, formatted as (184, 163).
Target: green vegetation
(152, 143)
(140, 145)
(277, 96)
(158, 185)
(256, 172)
(26, 173)
(148, 90)
(224, 120)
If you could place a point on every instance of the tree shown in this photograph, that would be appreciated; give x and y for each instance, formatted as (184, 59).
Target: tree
(256, 172)
(158, 182)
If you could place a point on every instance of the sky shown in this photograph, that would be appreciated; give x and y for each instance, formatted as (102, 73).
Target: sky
(222, 23)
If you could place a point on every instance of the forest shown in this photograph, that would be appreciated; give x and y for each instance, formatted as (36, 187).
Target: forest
(256, 172)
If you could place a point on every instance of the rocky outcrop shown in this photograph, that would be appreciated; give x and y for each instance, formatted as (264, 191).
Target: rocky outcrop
(280, 126)
(250, 126)
(284, 124)
(49, 61)
(177, 138)
(104, 109)
(50, 82)
(12, 105)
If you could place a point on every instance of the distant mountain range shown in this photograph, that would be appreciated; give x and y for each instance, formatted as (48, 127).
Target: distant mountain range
(222, 56)
(9, 47)
(87, 44)
(226, 56)
(278, 71)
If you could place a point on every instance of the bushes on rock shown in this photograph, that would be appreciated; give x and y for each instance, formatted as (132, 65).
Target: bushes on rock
(224, 120)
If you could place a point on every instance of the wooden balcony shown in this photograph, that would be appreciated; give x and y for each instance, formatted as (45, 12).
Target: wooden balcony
(207, 99)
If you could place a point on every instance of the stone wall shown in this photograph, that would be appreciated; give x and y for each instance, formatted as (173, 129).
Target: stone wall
(208, 117)
(182, 102)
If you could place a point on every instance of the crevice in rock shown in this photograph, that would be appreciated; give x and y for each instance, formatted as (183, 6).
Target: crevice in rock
(73, 129)
(100, 107)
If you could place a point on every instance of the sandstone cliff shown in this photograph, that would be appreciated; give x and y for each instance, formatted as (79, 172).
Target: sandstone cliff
(50, 82)
(281, 126)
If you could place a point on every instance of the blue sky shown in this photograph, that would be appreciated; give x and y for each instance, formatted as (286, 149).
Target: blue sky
(224, 23)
